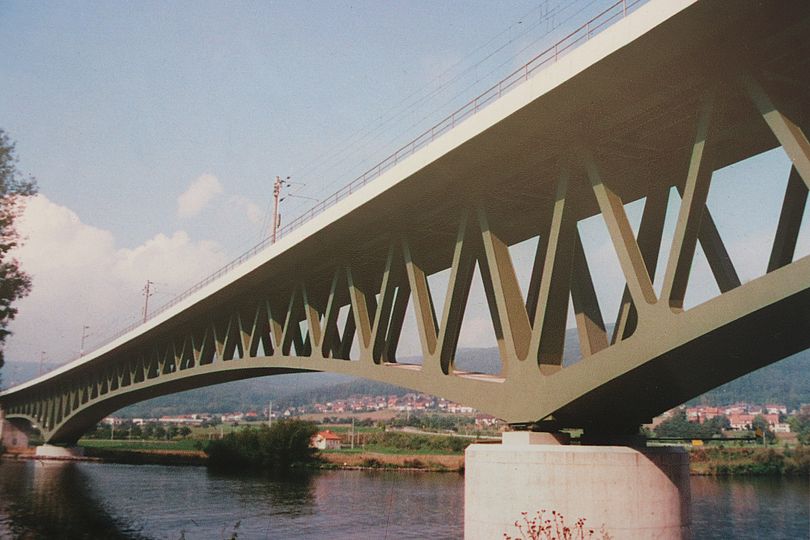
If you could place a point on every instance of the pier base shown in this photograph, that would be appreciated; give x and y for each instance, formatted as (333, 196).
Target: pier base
(12, 437)
(629, 493)
(49, 451)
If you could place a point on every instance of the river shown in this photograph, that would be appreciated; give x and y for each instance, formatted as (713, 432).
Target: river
(110, 501)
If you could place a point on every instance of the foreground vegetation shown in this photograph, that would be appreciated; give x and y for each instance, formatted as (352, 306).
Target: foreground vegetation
(401, 442)
(284, 445)
(140, 444)
(750, 461)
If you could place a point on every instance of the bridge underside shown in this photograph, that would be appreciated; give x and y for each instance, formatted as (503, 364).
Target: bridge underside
(707, 87)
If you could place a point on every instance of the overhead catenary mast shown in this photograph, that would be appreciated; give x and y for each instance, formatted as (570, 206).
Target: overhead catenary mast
(278, 199)
(277, 185)
(85, 328)
(147, 292)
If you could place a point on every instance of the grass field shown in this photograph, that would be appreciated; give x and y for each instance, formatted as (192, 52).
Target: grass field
(123, 444)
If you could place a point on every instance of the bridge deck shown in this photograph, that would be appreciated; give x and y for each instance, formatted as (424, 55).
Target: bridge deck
(629, 99)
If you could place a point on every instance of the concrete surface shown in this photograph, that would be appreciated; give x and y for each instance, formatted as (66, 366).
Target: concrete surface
(633, 493)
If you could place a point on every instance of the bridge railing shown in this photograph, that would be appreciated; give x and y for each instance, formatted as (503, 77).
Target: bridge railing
(617, 10)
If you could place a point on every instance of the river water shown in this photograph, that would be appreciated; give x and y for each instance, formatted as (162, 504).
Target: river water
(110, 501)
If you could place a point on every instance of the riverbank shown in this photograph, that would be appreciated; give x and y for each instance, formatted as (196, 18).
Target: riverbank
(750, 461)
(326, 460)
(706, 461)
(118, 455)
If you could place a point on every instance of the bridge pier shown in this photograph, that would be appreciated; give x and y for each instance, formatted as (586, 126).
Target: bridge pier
(639, 493)
(11, 437)
(50, 451)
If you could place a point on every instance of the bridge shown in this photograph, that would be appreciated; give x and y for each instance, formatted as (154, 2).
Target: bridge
(643, 102)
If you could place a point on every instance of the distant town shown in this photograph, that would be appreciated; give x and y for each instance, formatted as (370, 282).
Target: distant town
(335, 411)
(384, 408)
(740, 415)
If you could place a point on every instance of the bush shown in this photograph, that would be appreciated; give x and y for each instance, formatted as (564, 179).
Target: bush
(679, 427)
(282, 446)
(770, 463)
(418, 443)
(797, 461)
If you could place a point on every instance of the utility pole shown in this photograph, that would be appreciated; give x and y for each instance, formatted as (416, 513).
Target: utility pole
(277, 199)
(352, 432)
(277, 185)
(85, 328)
(147, 292)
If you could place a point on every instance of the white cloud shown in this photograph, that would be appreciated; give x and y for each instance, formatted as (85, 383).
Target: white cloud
(250, 208)
(80, 277)
(199, 193)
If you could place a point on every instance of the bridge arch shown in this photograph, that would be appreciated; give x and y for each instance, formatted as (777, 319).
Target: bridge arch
(576, 143)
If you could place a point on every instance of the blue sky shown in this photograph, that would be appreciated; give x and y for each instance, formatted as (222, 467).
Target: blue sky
(117, 107)
(154, 130)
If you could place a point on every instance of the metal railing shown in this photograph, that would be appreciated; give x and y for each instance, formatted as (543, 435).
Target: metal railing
(617, 10)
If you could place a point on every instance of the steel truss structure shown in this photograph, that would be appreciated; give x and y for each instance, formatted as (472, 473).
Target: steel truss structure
(342, 306)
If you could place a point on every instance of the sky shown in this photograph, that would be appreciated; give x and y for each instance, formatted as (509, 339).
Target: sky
(154, 130)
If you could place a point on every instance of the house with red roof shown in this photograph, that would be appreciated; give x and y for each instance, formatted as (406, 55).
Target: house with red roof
(326, 440)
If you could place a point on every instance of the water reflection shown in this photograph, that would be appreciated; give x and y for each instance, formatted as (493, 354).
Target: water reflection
(290, 494)
(750, 507)
(52, 500)
(90, 500)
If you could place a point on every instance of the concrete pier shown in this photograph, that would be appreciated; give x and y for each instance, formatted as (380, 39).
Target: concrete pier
(49, 451)
(633, 493)
(11, 437)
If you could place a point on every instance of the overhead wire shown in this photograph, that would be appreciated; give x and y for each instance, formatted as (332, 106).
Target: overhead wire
(405, 106)
(372, 126)
(561, 8)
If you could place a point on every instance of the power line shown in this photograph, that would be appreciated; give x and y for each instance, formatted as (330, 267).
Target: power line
(404, 106)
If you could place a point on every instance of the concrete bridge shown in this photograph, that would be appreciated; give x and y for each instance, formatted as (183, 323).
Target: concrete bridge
(648, 98)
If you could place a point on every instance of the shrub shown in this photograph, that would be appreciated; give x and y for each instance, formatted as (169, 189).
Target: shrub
(797, 461)
(285, 444)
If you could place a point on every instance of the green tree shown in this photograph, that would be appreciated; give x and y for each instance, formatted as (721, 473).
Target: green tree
(800, 424)
(279, 447)
(678, 426)
(760, 426)
(14, 189)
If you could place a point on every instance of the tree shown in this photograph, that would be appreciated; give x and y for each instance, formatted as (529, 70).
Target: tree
(800, 424)
(678, 426)
(14, 189)
(283, 445)
(761, 427)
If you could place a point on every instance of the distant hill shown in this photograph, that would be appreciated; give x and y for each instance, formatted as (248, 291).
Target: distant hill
(784, 382)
